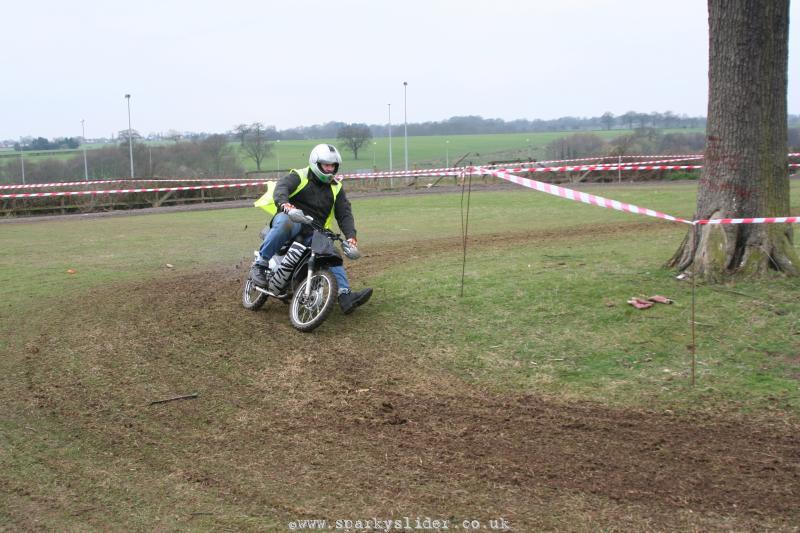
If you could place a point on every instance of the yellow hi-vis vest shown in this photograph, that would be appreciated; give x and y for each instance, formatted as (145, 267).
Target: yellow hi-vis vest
(267, 201)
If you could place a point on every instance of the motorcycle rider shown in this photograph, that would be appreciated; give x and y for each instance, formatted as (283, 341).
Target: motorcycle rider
(316, 192)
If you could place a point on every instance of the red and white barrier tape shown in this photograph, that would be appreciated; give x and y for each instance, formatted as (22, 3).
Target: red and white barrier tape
(655, 162)
(534, 164)
(505, 174)
(679, 157)
(123, 191)
(524, 166)
(99, 182)
(607, 168)
(599, 201)
(403, 174)
(441, 171)
(768, 220)
(575, 168)
(578, 196)
(582, 168)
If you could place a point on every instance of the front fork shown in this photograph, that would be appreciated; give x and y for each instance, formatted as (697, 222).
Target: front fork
(307, 292)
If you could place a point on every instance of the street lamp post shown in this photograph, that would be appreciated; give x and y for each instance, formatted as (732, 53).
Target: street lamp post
(374, 144)
(22, 160)
(390, 137)
(405, 119)
(83, 141)
(447, 154)
(130, 137)
(278, 152)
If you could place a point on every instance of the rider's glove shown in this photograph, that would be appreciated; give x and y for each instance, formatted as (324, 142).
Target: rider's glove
(350, 249)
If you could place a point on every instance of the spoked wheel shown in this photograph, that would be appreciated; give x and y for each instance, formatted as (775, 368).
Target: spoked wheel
(251, 298)
(308, 312)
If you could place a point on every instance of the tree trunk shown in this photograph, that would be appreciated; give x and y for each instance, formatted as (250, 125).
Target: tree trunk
(745, 173)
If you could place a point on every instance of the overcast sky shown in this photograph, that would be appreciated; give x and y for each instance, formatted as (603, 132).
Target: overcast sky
(209, 65)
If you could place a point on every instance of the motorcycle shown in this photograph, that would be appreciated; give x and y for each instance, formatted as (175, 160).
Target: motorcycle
(299, 275)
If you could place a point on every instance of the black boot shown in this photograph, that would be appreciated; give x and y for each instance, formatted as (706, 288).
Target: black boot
(258, 273)
(348, 301)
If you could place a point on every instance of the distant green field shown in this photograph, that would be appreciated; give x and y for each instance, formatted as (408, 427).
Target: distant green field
(61, 154)
(423, 151)
(428, 151)
(38, 156)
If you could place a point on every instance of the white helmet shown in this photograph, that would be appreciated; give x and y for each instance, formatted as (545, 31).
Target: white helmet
(324, 153)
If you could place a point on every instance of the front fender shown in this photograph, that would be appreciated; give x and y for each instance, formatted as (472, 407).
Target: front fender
(301, 272)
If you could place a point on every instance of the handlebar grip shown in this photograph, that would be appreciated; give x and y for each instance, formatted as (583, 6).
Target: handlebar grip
(297, 215)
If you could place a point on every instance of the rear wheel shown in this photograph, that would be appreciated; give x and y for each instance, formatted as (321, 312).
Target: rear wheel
(308, 312)
(252, 298)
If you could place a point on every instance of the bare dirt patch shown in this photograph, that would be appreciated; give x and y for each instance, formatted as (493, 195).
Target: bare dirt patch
(351, 422)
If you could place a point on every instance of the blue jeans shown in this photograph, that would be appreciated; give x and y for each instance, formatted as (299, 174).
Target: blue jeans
(282, 231)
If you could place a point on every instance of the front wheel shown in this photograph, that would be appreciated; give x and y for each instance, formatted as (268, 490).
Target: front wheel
(252, 298)
(308, 312)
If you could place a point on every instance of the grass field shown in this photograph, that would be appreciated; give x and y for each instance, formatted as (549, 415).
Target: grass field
(538, 396)
(38, 156)
(424, 152)
(429, 151)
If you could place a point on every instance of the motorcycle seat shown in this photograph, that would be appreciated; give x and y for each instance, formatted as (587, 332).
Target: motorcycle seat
(285, 248)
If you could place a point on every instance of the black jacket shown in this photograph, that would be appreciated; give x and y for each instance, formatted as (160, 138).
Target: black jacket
(316, 199)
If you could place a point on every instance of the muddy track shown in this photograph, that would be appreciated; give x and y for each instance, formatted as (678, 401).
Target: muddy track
(345, 420)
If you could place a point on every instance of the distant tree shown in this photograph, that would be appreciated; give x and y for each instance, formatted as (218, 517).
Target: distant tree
(629, 118)
(271, 133)
(680, 143)
(354, 137)
(577, 145)
(174, 135)
(39, 143)
(460, 125)
(107, 162)
(622, 145)
(794, 139)
(71, 142)
(745, 172)
(656, 119)
(256, 145)
(241, 132)
(219, 153)
(669, 119)
(607, 119)
(122, 137)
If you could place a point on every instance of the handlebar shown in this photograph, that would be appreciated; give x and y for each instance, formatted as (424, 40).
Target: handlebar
(297, 215)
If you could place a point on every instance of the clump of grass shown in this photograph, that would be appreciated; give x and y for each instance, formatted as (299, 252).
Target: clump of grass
(553, 318)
